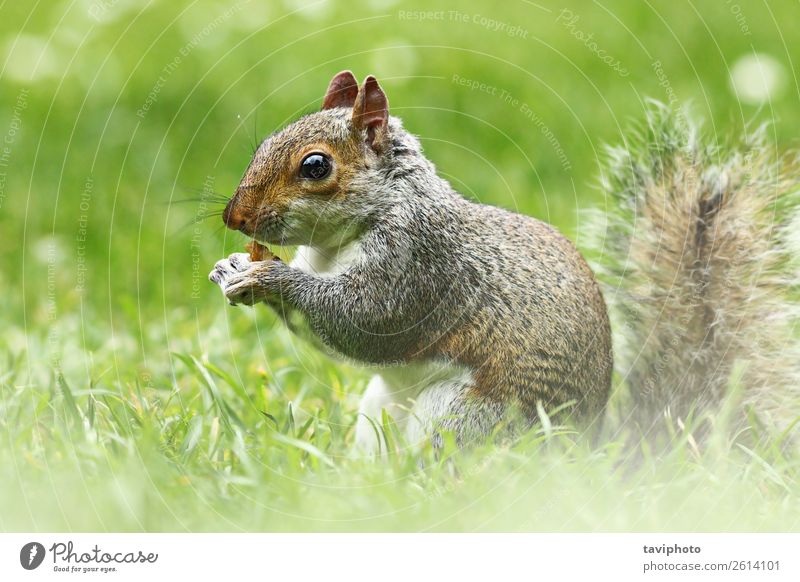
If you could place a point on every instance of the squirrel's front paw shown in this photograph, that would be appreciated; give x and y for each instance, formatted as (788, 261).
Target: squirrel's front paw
(241, 281)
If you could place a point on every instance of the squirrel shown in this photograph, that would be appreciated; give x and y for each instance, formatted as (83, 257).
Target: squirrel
(468, 313)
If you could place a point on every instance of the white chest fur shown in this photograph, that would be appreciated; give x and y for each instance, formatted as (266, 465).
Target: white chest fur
(326, 262)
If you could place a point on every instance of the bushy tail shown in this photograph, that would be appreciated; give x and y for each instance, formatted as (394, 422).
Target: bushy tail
(702, 273)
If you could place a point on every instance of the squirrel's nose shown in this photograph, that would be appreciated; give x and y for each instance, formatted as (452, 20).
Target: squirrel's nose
(233, 219)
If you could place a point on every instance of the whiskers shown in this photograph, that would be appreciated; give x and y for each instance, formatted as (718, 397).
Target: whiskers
(209, 203)
(203, 196)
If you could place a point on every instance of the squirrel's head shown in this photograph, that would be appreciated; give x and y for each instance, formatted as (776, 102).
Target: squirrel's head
(314, 182)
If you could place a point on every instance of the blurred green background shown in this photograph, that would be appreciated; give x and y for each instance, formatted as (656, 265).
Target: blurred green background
(209, 78)
(117, 115)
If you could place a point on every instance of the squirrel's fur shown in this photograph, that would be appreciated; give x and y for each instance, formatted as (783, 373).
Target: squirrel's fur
(701, 273)
(470, 310)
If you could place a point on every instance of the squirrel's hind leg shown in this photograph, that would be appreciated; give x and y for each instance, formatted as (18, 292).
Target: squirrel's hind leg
(446, 404)
(452, 406)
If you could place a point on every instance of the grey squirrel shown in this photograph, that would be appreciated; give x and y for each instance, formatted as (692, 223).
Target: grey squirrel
(466, 311)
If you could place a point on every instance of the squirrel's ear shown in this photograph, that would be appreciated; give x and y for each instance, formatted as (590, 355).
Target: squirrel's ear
(342, 91)
(371, 111)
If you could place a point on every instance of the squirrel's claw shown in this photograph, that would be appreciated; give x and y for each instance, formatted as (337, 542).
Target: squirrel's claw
(245, 288)
(226, 268)
(240, 261)
(243, 294)
(239, 280)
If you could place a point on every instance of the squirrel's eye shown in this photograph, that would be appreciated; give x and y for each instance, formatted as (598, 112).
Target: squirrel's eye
(315, 166)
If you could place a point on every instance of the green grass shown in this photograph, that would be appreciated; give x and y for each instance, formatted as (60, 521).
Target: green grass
(253, 431)
(133, 398)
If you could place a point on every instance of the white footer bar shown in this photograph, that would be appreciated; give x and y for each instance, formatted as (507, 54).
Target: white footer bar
(401, 557)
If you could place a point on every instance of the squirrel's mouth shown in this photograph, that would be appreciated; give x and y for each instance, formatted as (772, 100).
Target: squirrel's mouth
(263, 226)
(273, 230)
